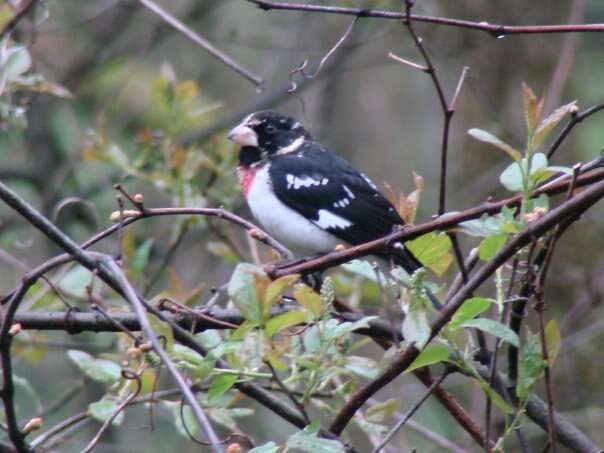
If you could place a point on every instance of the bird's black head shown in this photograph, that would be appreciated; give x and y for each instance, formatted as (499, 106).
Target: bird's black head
(270, 133)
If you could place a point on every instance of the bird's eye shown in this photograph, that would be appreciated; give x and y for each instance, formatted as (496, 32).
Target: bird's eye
(270, 128)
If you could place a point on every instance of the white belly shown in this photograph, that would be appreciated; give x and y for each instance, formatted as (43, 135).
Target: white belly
(284, 224)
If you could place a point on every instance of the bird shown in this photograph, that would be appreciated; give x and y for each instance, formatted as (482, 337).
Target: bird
(308, 197)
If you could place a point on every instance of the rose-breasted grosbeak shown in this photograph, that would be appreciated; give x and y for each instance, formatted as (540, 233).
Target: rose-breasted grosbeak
(307, 197)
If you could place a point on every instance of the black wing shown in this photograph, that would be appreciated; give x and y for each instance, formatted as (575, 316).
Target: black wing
(319, 184)
(314, 181)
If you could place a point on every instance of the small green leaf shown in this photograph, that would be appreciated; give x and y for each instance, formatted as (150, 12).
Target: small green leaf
(494, 328)
(99, 370)
(416, 328)
(549, 123)
(184, 417)
(487, 137)
(335, 330)
(383, 411)
(433, 353)
(308, 441)
(17, 61)
(490, 246)
(553, 340)
(103, 410)
(309, 299)
(433, 251)
(275, 290)
(469, 310)
(220, 384)
(511, 178)
(362, 366)
(242, 290)
(282, 321)
(530, 366)
(163, 331)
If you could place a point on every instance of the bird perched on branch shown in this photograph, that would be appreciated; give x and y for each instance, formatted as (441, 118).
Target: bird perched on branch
(308, 197)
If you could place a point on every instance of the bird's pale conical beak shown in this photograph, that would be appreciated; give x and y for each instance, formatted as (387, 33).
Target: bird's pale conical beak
(243, 135)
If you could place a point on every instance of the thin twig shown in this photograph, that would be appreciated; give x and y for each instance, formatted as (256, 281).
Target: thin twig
(301, 68)
(129, 375)
(201, 41)
(12, 23)
(494, 30)
(410, 413)
(288, 392)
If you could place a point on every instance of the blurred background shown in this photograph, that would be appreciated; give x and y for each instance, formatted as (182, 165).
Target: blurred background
(130, 100)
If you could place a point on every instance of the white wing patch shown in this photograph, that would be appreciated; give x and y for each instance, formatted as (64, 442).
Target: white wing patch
(295, 182)
(329, 220)
(342, 203)
(369, 181)
(349, 192)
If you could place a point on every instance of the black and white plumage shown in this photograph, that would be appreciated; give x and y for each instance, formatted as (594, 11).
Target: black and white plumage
(307, 197)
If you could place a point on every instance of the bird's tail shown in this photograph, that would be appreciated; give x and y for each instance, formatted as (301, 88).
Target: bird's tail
(404, 258)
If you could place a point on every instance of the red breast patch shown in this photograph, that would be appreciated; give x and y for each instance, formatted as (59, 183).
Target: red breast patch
(246, 178)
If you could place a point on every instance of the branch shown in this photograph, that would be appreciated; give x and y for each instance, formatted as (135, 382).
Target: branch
(198, 39)
(572, 207)
(111, 274)
(12, 23)
(441, 223)
(494, 30)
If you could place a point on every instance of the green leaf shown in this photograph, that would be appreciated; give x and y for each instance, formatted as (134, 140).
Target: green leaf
(362, 268)
(469, 310)
(309, 299)
(362, 366)
(75, 281)
(308, 441)
(282, 321)
(553, 340)
(17, 61)
(163, 331)
(487, 137)
(99, 370)
(242, 290)
(491, 245)
(270, 447)
(416, 328)
(543, 174)
(433, 353)
(103, 410)
(494, 328)
(382, 411)
(433, 251)
(549, 123)
(186, 354)
(184, 417)
(512, 176)
(220, 384)
(335, 330)
(530, 366)
(275, 290)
